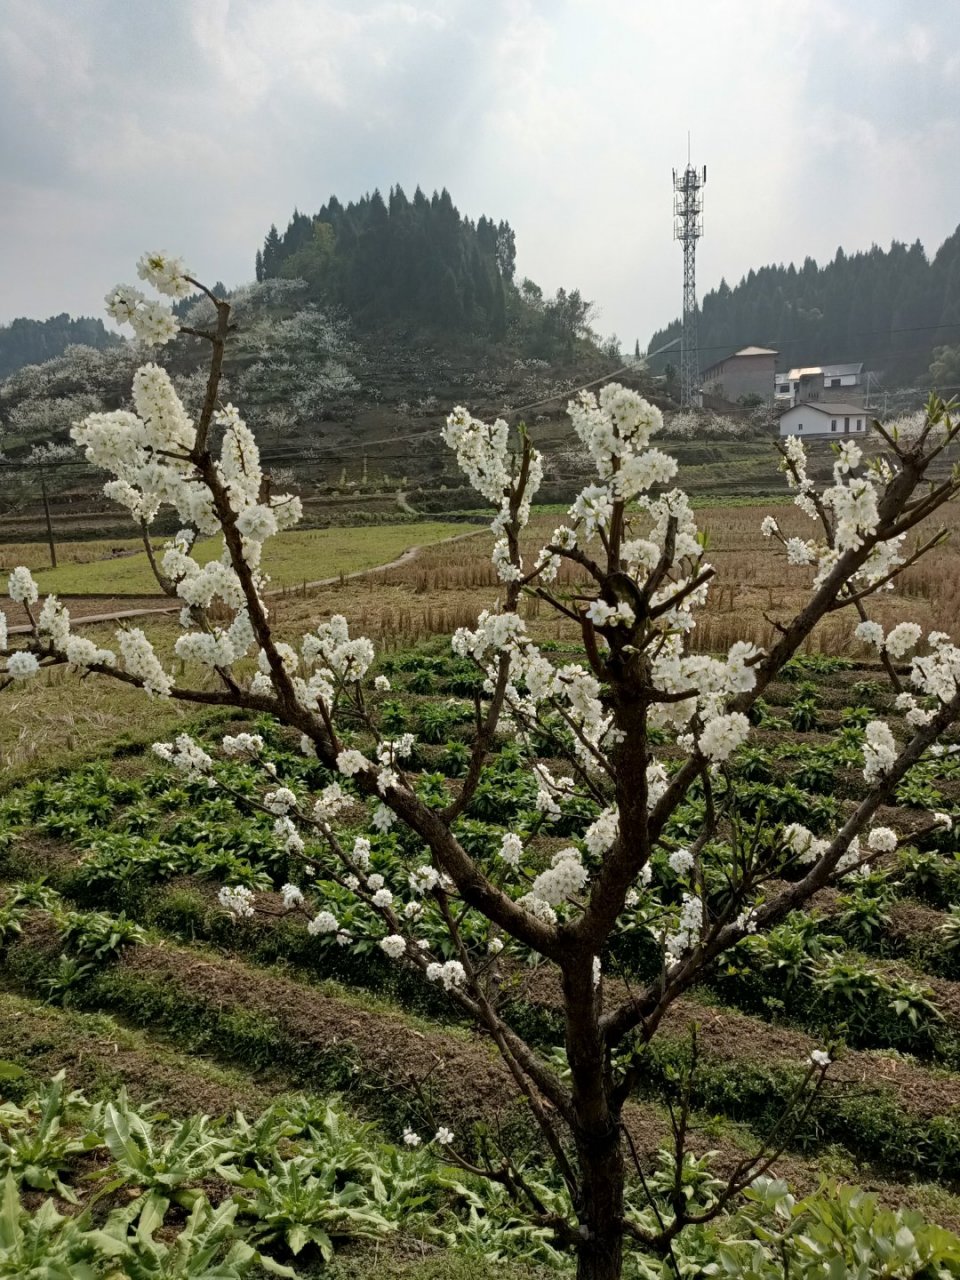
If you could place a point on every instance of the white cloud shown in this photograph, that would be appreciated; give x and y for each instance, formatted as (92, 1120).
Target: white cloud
(193, 126)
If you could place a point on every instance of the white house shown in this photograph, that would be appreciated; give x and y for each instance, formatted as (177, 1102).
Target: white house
(826, 418)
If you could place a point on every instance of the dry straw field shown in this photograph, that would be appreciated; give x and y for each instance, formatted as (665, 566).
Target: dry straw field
(447, 585)
(444, 587)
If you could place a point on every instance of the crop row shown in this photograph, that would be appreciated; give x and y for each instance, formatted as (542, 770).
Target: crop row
(259, 1018)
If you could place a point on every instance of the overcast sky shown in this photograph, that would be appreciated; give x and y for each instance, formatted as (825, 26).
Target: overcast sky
(191, 125)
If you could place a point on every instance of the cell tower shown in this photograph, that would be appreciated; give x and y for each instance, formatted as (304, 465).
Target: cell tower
(688, 228)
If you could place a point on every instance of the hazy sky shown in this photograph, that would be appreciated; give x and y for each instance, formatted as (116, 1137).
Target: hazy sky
(191, 125)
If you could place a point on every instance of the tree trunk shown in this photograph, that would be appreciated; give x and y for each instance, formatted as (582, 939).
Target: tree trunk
(596, 1127)
(600, 1256)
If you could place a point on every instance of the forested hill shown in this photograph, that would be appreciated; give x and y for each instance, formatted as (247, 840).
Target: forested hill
(401, 260)
(888, 308)
(25, 341)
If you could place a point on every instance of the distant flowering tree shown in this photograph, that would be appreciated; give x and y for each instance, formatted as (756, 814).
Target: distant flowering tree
(640, 727)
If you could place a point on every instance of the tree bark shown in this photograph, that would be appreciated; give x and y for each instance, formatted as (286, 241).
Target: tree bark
(600, 1256)
(596, 1127)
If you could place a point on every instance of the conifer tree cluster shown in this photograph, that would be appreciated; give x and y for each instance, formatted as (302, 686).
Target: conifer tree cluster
(409, 260)
(26, 341)
(888, 308)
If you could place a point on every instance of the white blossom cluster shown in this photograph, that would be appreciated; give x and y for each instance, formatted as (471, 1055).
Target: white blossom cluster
(938, 673)
(451, 974)
(879, 750)
(852, 506)
(153, 322)
(186, 756)
(563, 879)
(238, 900)
(22, 587)
(688, 930)
(483, 455)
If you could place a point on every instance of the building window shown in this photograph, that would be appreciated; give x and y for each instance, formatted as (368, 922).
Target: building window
(835, 382)
(799, 426)
(833, 424)
(859, 424)
(846, 426)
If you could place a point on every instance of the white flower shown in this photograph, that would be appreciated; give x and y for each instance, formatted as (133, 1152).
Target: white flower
(361, 853)
(381, 684)
(185, 755)
(495, 946)
(323, 922)
(393, 945)
(902, 639)
(769, 526)
(410, 1138)
(443, 1137)
(870, 632)
(375, 881)
(565, 877)
(451, 974)
(22, 665)
(351, 762)
(167, 274)
(879, 750)
(422, 879)
(800, 552)
(882, 840)
(511, 848)
(722, 735)
(83, 653)
(331, 801)
(141, 661)
(292, 896)
(21, 586)
(681, 861)
(382, 898)
(238, 900)
(280, 801)
(819, 1058)
(383, 817)
(242, 744)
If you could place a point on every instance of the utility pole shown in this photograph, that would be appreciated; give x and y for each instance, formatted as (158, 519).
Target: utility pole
(46, 512)
(688, 228)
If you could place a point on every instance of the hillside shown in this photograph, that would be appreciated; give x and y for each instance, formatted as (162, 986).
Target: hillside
(366, 324)
(889, 308)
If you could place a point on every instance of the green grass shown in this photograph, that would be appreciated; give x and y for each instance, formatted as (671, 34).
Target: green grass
(300, 555)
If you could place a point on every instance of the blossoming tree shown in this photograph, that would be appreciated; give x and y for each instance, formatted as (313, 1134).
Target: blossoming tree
(463, 920)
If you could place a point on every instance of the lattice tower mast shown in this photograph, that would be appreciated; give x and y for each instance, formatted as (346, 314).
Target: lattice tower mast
(688, 228)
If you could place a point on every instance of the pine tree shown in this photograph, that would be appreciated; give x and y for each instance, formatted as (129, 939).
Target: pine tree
(272, 254)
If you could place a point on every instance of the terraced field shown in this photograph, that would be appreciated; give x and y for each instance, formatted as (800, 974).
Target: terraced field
(120, 967)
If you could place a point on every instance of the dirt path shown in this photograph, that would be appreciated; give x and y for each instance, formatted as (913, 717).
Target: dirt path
(87, 610)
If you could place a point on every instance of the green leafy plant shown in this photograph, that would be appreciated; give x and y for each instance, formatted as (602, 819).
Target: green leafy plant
(206, 1248)
(98, 935)
(43, 1245)
(35, 1143)
(173, 1163)
(292, 1203)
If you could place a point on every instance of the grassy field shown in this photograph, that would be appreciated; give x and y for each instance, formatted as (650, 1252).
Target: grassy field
(291, 558)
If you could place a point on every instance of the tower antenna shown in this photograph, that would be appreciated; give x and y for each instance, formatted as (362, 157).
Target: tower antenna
(688, 228)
